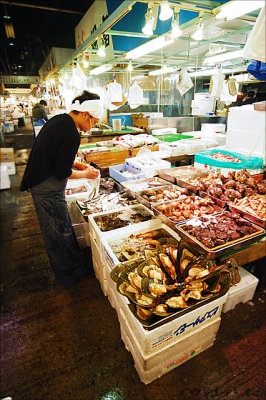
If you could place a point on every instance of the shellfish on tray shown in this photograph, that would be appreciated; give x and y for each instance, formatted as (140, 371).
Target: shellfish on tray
(159, 287)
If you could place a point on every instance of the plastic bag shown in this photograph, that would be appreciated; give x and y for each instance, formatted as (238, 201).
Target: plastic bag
(135, 96)
(256, 44)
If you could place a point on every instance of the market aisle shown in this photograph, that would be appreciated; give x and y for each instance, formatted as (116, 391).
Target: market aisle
(66, 344)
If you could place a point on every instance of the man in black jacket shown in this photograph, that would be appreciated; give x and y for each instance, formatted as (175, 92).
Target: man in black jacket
(49, 166)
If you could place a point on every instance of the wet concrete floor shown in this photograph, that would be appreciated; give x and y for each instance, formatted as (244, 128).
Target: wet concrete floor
(66, 344)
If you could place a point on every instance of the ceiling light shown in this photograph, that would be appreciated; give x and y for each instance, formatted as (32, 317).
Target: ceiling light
(166, 11)
(164, 70)
(198, 34)
(99, 70)
(9, 29)
(101, 47)
(149, 21)
(213, 71)
(176, 31)
(224, 56)
(149, 47)
(235, 9)
(130, 67)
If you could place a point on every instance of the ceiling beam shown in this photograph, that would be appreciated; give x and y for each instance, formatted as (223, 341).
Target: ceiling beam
(119, 13)
(15, 3)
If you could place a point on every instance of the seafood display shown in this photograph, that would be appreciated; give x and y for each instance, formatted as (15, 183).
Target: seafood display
(139, 245)
(220, 229)
(120, 219)
(187, 207)
(162, 194)
(144, 184)
(173, 279)
(105, 202)
(131, 141)
(80, 189)
(224, 157)
(237, 185)
(255, 205)
(179, 172)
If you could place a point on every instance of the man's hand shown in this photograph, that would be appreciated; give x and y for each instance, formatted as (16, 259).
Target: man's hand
(91, 173)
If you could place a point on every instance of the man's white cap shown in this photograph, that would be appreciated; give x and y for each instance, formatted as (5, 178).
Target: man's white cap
(94, 107)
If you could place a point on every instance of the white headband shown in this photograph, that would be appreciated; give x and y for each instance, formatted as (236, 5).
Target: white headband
(94, 107)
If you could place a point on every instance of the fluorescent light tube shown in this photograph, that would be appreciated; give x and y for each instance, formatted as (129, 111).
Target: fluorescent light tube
(213, 71)
(235, 9)
(149, 47)
(101, 69)
(224, 56)
(164, 70)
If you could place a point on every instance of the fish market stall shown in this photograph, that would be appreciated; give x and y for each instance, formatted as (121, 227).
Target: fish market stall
(167, 253)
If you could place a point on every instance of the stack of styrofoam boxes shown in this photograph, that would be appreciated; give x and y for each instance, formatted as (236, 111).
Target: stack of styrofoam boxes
(246, 131)
(160, 350)
(242, 291)
(99, 257)
(203, 104)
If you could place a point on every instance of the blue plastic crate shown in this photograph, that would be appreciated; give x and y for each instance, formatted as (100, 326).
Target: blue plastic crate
(115, 171)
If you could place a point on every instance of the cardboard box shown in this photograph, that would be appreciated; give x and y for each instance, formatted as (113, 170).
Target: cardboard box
(7, 154)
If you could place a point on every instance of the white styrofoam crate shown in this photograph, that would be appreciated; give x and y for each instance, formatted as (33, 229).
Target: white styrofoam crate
(109, 257)
(242, 291)
(4, 177)
(75, 183)
(150, 341)
(11, 167)
(213, 127)
(246, 118)
(148, 170)
(98, 235)
(153, 367)
(99, 276)
(247, 141)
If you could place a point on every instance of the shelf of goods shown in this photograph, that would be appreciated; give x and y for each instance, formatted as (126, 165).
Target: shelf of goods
(165, 342)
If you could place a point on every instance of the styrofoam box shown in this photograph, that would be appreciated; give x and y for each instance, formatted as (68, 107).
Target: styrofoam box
(4, 177)
(247, 141)
(74, 183)
(172, 352)
(148, 170)
(98, 235)
(99, 276)
(213, 128)
(150, 341)
(11, 167)
(242, 291)
(149, 376)
(246, 118)
(109, 257)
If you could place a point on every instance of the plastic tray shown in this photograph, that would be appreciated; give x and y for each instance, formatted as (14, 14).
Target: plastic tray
(167, 220)
(217, 201)
(188, 185)
(172, 174)
(131, 185)
(142, 200)
(223, 249)
(250, 217)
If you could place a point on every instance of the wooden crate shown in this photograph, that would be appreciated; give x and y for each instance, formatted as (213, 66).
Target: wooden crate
(134, 152)
(108, 157)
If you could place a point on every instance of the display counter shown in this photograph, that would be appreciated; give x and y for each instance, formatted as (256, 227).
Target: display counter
(108, 135)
